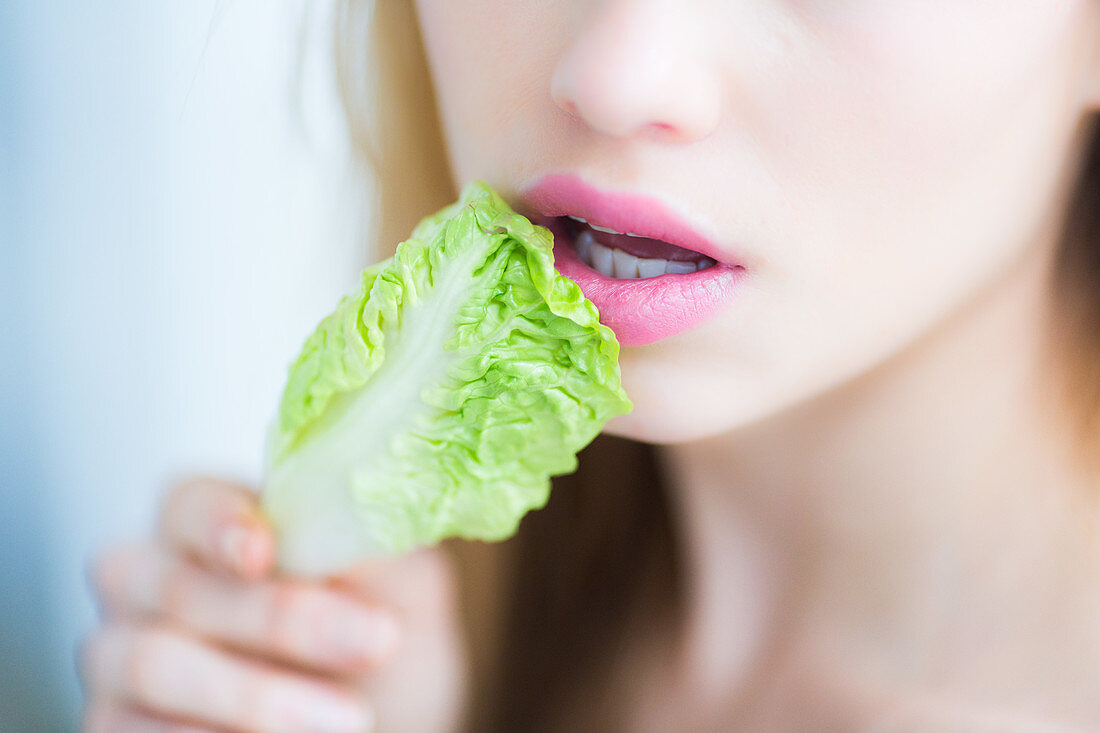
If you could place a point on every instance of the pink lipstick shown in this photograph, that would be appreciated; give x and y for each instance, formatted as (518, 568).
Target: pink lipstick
(615, 246)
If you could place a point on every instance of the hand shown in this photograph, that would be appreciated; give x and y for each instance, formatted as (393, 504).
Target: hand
(199, 633)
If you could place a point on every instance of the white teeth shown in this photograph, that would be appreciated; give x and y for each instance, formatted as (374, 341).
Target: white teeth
(601, 259)
(623, 265)
(681, 268)
(651, 268)
(602, 229)
(584, 243)
(612, 231)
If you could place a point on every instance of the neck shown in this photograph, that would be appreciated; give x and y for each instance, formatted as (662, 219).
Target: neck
(893, 519)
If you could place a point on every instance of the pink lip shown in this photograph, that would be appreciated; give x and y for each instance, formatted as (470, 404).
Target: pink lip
(639, 311)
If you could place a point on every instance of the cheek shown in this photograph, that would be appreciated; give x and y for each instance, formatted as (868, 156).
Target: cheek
(924, 123)
(919, 155)
(490, 63)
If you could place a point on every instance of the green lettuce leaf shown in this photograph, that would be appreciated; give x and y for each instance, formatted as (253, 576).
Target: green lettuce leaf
(438, 399)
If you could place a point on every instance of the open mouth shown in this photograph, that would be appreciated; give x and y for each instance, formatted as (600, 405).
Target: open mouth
(617, 246)
(625, 256)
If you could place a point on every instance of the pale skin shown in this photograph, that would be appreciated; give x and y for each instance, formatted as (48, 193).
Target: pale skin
(885, 530)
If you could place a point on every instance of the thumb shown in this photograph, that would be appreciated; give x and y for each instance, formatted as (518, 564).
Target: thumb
(415, 582)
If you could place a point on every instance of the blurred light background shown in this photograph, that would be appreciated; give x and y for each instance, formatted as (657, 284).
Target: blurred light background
(178, 208)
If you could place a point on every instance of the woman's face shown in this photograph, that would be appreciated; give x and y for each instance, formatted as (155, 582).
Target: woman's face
(871, 162)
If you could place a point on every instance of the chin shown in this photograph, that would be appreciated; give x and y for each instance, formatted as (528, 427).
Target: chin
(695, 405)
(676, 400)
(667, 425)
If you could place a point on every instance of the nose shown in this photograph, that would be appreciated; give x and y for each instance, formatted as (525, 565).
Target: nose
(637, 69)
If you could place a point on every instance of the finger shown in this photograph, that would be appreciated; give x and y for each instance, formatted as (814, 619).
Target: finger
(417, 582)
(285, 619)
(110, 717)
(172, 675)
(219, 523)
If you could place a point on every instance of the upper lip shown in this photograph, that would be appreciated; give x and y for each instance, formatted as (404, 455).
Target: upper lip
(567, 195)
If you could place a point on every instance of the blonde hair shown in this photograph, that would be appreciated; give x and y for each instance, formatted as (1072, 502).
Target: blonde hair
(550, 612)
(391, 115)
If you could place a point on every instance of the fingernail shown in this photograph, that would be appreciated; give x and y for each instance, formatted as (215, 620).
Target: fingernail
(255, 554)
(233, 547)
(358, 636)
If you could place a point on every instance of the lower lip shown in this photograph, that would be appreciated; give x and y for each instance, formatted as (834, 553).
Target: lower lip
(643, 310)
